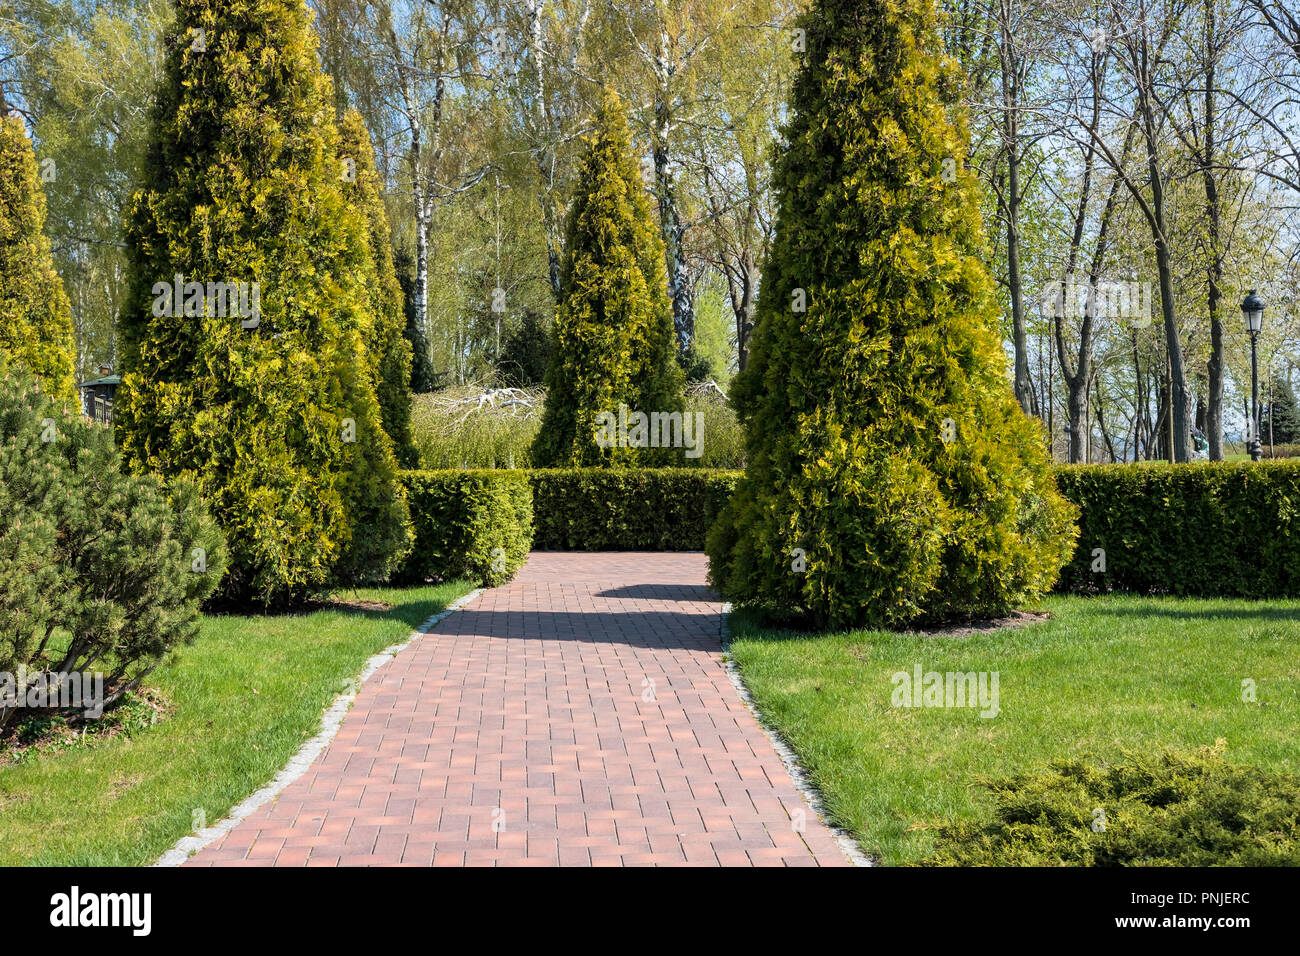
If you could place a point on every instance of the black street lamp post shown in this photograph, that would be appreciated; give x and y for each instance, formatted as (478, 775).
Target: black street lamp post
(1253, 309)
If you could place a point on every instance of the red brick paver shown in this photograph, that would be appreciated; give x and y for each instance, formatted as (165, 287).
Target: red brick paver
(579, 715)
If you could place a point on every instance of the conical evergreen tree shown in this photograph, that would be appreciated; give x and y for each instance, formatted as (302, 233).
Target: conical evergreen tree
(891, 475)
(270, 408)
(35, 317)
(390, 352)
(613, 331)
(1279, 421)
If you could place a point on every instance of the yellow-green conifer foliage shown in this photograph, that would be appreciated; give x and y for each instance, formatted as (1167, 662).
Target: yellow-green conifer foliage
(35, 317)
(390, 352)
(613, 331)
(891, 475)
(269, 407)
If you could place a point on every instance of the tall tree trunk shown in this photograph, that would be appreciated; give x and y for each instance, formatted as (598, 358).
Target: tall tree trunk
(1011, 143)
(1101, 424)
(1174, 348)
(742, 289)
(1141, 407)
(1076, 377)
(419, 194)
(1164, 266)
(1075, 405)
(544, 153)
(1214, 366)
(1162, 417)
(670, 222)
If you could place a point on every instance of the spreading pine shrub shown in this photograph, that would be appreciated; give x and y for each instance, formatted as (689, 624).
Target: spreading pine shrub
(890, 475)
(390, 352)
(613, 332)
(1168, 810)
(35, 317)
(99, 570)
(270, 407)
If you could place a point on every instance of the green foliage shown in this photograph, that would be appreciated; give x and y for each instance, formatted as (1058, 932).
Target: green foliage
(456, 436)
(1207, 529)
(86, 73)
(35, 318)
(378, 519)
(99, 567)
(1280, 418)
(274, 416)
(526, 352)
(1168, 810)
(882, 436)
(1221, 529)
(723, 442)
(449, 435)
(645, 509)
(388, 348)
(613, 331)
(475, 524)
(715, 333)
(696, 366)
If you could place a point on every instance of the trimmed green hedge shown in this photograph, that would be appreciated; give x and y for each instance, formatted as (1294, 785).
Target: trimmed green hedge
(1206, 529)
(476, 524)
(615, 509)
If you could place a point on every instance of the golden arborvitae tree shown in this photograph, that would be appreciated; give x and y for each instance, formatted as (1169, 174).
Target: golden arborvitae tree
(390, 352)
(35, 317)
(613, 333)
(269, 405)
(890, 475)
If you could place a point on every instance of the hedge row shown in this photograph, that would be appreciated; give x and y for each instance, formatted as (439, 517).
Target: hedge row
(1207, 529)
(476, 524)
(651, 509)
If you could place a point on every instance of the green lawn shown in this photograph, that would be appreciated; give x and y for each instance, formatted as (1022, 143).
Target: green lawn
(1102, 676)
(244, 697)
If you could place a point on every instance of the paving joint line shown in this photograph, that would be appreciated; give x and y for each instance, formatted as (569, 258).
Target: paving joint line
(300, 762)
(802, 783)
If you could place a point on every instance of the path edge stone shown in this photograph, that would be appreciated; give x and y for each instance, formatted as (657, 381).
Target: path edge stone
(331, 720)
(798, 776)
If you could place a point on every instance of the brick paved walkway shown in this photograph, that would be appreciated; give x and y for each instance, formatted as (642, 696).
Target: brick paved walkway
(578, 715)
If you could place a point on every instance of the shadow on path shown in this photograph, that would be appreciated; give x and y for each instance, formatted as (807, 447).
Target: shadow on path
(663, 592)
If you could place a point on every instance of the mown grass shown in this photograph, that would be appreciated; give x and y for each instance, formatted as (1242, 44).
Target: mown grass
(1103, 676)
(243, 699)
